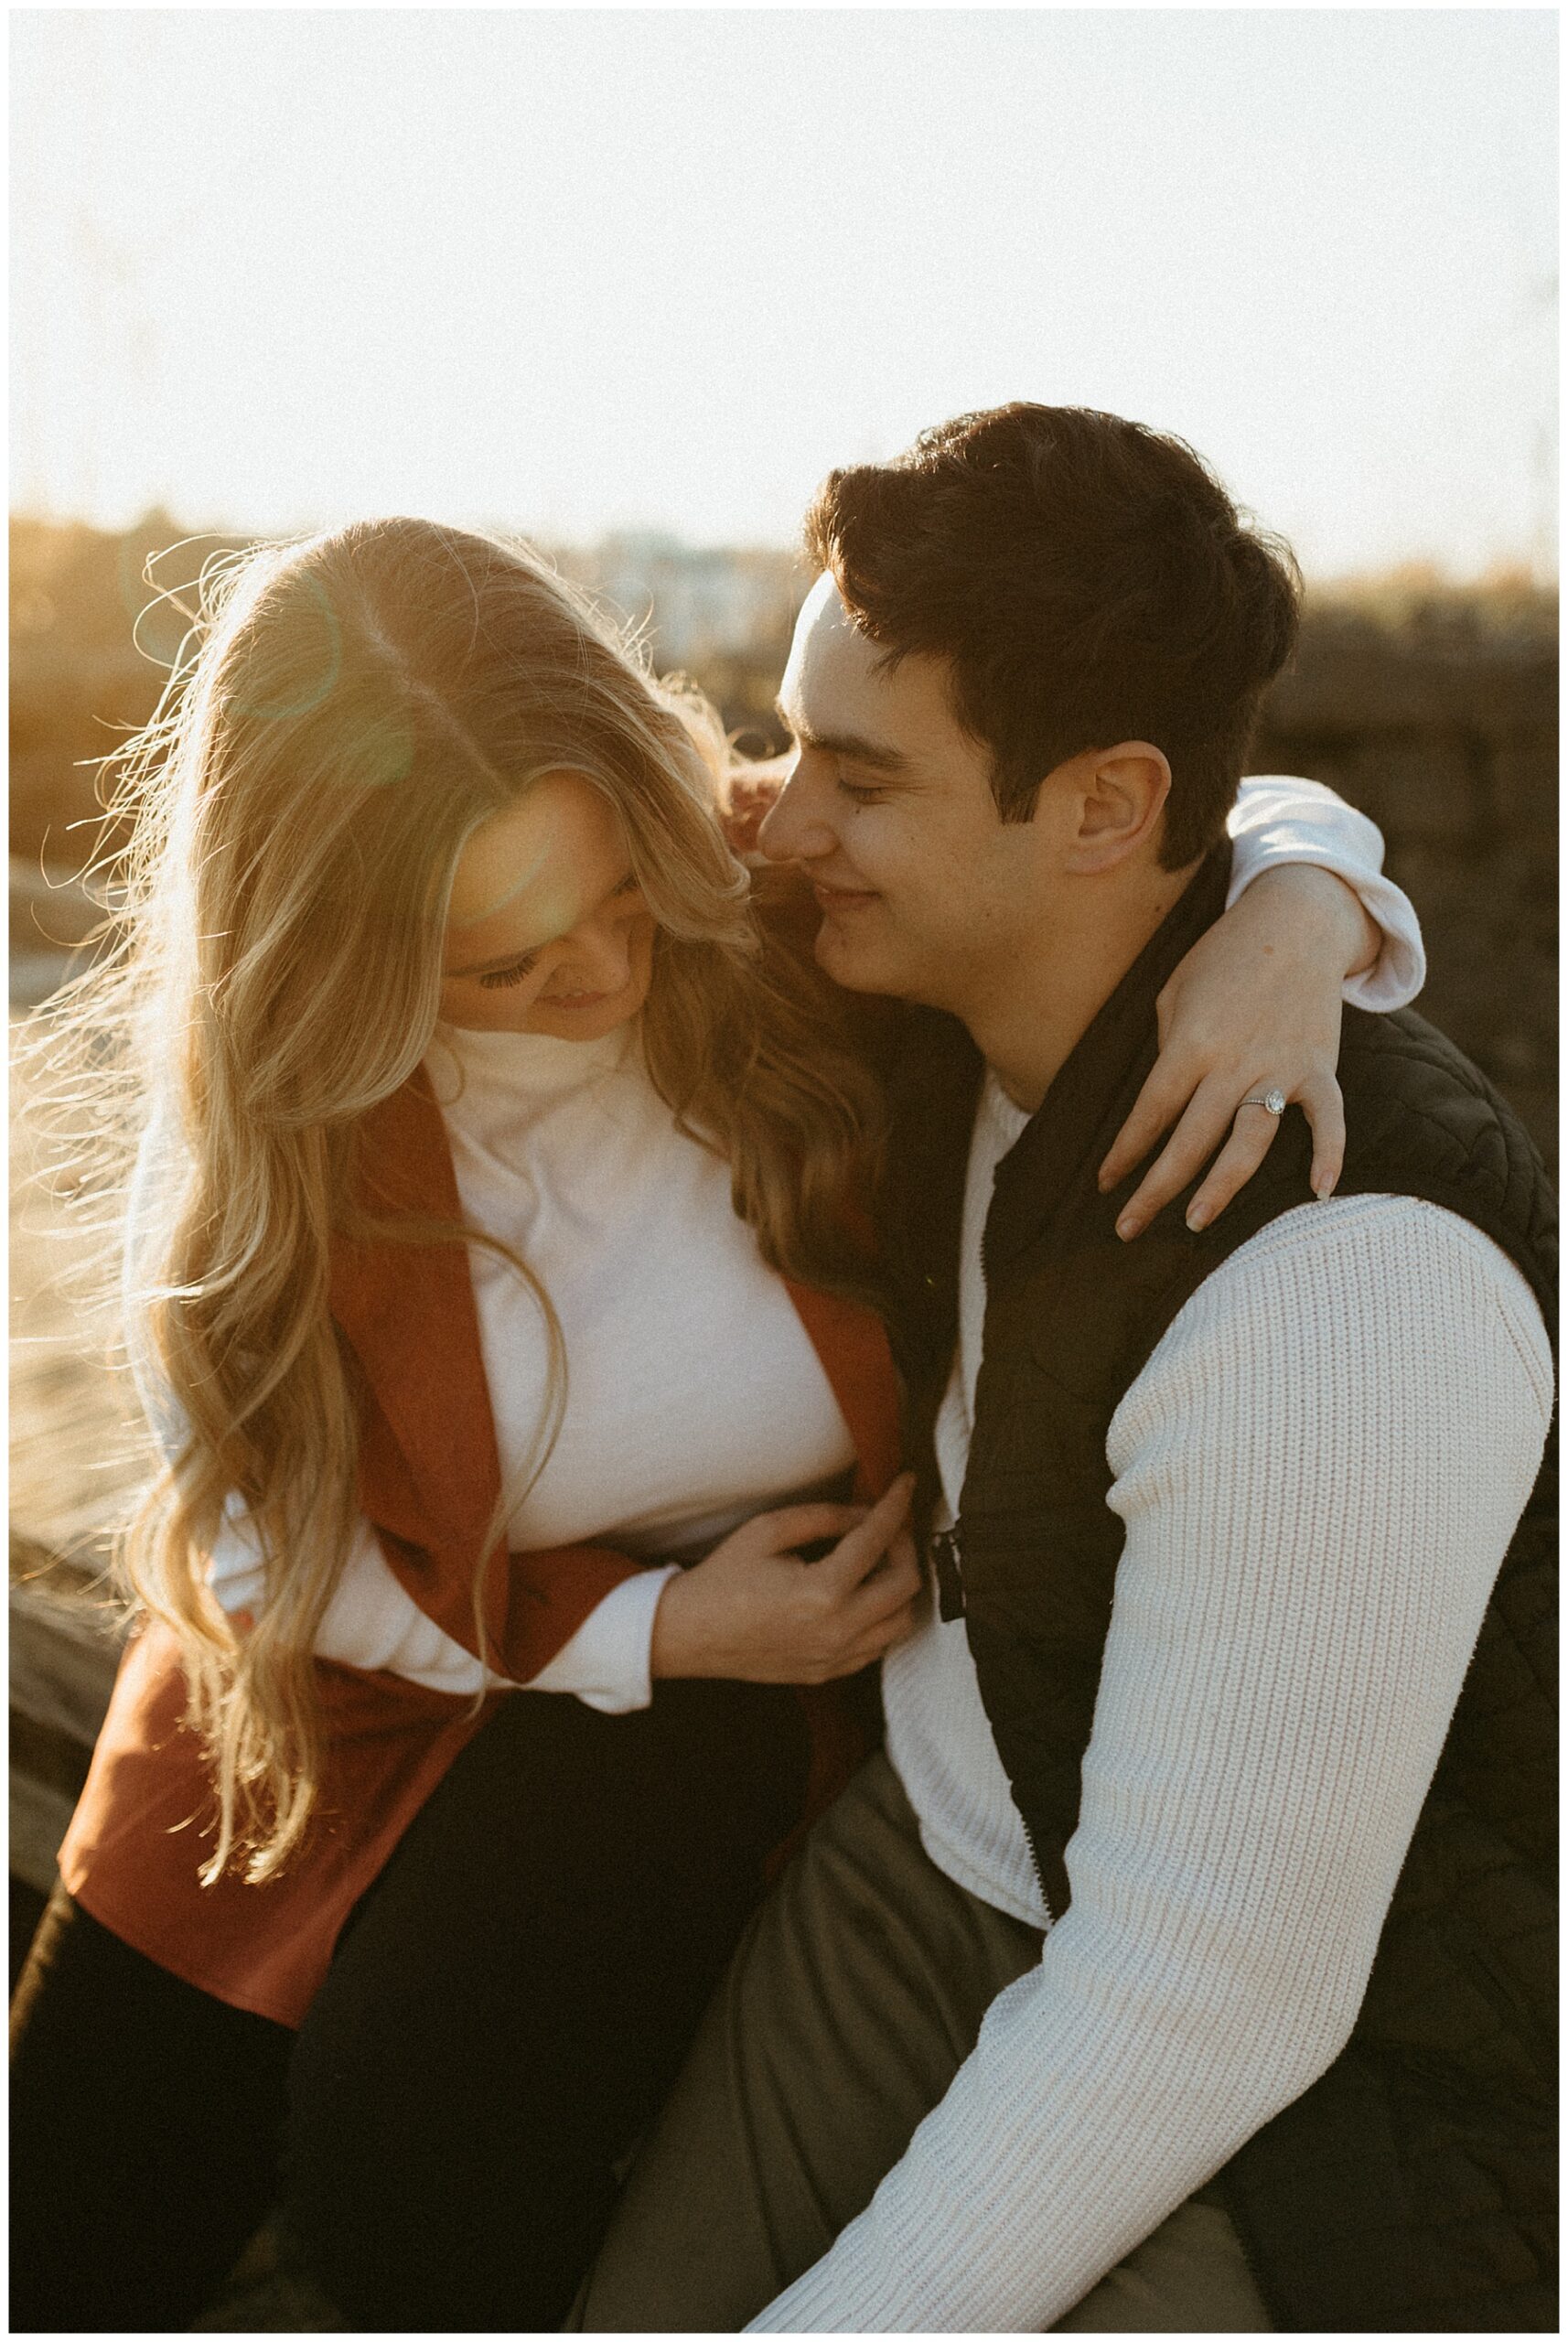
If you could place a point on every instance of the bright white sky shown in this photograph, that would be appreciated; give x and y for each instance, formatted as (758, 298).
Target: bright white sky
(569, 271)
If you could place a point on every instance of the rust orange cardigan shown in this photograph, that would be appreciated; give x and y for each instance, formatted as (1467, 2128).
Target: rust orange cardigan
(429, 1481)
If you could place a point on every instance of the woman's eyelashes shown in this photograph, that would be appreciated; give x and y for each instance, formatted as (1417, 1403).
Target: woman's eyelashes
(499, 978)
(496, 979)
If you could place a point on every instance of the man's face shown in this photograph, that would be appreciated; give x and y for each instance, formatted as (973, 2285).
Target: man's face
(925, 891)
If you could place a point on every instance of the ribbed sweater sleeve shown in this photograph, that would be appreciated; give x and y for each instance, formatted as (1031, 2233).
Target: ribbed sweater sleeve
(1319, 1471)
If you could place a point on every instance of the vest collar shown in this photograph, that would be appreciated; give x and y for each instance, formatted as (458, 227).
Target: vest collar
(1094, 1090)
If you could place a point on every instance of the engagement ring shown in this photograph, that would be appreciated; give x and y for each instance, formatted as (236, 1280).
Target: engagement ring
(1274, 1100)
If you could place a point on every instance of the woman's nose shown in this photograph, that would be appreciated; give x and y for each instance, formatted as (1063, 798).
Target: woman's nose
(595, 957)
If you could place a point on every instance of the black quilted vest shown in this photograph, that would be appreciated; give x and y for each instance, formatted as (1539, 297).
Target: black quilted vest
(1411, 2188)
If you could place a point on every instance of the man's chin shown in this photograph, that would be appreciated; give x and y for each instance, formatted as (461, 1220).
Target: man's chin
(853, 960)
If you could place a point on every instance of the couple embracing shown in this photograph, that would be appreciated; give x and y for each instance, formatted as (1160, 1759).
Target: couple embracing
(617, 1249)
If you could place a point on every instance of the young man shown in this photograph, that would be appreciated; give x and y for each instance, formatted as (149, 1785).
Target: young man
(1068, 2013)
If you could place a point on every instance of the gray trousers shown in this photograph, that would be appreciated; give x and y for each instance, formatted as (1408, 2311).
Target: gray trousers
(854, 1998)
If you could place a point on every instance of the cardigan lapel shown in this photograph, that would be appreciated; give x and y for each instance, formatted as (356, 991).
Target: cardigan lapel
(851, 1348)
(408, 1312)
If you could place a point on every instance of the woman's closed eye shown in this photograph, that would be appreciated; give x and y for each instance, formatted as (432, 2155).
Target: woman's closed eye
(499, 978)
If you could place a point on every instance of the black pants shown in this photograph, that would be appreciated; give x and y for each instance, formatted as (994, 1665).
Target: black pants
(507, 2005)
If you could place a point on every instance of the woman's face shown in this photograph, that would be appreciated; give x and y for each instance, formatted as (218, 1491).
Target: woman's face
(547, 931)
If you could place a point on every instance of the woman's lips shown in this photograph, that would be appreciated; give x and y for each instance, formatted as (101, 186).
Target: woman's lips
(578, 999)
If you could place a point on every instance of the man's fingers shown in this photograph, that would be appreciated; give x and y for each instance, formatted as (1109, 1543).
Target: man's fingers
(859, 1549)
(1324, 1105)
(803, 1524)
(1194, 1140)
(1154, 1109)
(1249, 1142)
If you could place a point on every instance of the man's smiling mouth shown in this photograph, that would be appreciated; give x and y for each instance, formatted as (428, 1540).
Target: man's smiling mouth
(843, 898)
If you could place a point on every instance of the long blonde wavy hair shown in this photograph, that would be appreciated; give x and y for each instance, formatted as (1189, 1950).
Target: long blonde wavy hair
(352, 709)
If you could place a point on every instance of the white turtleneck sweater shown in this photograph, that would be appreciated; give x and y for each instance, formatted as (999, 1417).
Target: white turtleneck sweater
(695, 1398)
(1319, 1469)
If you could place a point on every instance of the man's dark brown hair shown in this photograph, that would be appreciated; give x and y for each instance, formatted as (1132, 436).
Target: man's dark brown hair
(1089, 581)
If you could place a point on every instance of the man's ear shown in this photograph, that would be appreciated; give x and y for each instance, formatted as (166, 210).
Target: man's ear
(1120, 797)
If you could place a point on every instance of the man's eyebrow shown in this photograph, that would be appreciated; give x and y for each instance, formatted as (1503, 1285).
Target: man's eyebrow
(859, 750)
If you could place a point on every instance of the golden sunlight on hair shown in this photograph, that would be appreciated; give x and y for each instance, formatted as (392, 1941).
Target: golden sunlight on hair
(360, 708)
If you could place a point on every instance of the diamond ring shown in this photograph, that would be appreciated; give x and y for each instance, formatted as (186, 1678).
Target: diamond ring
(1274, 1100)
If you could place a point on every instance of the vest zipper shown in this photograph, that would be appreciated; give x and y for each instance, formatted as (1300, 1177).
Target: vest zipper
(1034, 1858)
(946, 1554)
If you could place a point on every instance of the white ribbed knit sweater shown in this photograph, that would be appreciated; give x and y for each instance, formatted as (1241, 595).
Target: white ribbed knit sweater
(1319, 1469)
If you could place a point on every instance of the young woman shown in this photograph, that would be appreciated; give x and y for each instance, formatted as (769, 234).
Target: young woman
(500, 1280)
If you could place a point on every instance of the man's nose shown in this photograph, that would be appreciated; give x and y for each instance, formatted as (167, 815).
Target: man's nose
(795, 827)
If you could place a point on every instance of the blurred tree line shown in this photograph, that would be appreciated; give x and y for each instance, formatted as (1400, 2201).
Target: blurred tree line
(98, 619)
(1432, 706)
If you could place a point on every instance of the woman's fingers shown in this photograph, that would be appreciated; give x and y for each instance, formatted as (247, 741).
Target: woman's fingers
(1194, 1140)
(858, 1553)
(878, 1646)
(1252, 1129)
(1156, 1108)
(873, 1639)
(1255, 1004)
(1250, 1141)
(1254, 1135)
(802, 1524)
(891, 1587)
(1323, 1102)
